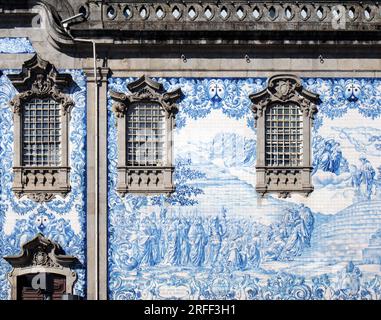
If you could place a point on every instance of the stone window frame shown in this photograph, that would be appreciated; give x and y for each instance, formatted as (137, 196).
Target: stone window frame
(42, 255)
(39, 79)
(145, 179)
(284, 180)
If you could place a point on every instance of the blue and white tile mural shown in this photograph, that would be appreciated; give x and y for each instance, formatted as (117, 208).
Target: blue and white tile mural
(61, 220)
(215, 238)
(16, 45)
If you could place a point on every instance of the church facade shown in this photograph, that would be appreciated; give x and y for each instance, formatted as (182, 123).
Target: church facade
(190, 150)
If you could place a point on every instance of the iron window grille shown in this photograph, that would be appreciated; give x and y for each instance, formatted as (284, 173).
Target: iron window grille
(41, 128)
(284, 136)
(146, 134)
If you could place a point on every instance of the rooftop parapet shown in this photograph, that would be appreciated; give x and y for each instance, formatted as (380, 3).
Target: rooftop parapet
(231, 22)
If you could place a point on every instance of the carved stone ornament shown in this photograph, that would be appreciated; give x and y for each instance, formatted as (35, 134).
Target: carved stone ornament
(39, 79)
(41, 196)
(145, 179)
(284, 88)
(41, 255)
(284, 180)
(145, 89)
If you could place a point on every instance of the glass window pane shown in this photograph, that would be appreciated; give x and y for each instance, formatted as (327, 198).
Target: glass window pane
(145, 141)
(41, 147)
(278, 138)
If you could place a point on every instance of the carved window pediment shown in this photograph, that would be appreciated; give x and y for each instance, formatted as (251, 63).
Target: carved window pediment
(283, 115)
(281, 89)
(145, 89)
(41, 115)
(145, 162)
(40, 79)
(41, 251)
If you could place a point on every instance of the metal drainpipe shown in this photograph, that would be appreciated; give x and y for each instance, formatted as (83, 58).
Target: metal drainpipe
(96, 99)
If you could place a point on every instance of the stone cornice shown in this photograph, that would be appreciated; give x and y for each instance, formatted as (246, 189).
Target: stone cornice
(235, 16)
(211, 22)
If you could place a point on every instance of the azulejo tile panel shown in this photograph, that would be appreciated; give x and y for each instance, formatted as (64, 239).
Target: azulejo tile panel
(214, 238)
(16, 45)
(61, 220)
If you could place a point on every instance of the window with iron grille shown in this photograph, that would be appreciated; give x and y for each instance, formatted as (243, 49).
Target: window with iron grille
(41, 118)
(284, 136)
(145, 120)
(41, 128)
(146, 134)
(284, 113)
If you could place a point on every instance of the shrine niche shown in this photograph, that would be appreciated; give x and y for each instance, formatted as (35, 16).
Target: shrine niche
(42, 271)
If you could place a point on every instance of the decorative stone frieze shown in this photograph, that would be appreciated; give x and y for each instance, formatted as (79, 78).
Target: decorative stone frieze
(42, 184)
(136, 179)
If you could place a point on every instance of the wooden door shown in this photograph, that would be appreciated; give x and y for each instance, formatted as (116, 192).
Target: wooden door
(56, 287)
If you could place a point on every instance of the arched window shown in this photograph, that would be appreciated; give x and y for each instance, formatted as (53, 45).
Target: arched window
(145, 120)
(41, 125)
(284, 113)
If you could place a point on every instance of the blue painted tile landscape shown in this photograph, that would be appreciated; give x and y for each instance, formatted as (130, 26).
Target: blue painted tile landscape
(215, 238)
